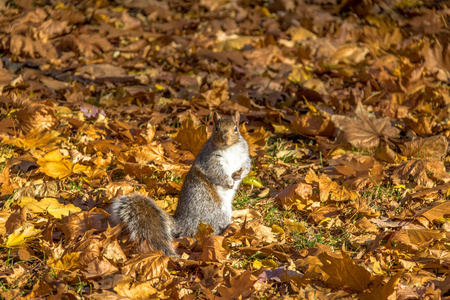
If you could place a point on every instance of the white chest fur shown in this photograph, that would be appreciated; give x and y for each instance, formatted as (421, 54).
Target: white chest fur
(232, 160)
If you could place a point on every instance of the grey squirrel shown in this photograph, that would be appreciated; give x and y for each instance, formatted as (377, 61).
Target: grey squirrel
(206, 193)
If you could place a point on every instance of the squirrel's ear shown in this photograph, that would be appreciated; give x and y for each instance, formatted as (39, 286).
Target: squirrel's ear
(216, 117)
(237, 117)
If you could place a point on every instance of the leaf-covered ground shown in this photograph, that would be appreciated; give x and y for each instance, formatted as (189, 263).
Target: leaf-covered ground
(346, 108)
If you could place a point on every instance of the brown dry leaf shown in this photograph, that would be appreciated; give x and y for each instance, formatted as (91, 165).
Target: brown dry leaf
(296, 195)
(366, 226)
(324, 214)
(386, 291)
(422, 172)
(256, 139)
(149, 266)
(115, 189)
(313, 124)
(7, 186)
(78, 224)
(385, 153)
(240, 287)
(365, 130)
(345, 271)
(69, 261)
(416, 238)
(330, 189)
(26, 46)
(147, 153)
(349, 54)
(204, 231)
(98, 266)
(437, 58)
(217, 94)
(190, 137)
(4, 216)
(434, 148)
(37, 117)
(358, 171)
(51, 29)
(438, 211)
(214, 249)
(101, 70)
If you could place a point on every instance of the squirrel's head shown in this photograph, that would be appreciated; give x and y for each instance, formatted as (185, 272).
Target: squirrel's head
(226, 130)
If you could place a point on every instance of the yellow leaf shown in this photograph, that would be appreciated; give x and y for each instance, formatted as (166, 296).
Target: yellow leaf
(50, 205)
(68, 262)
(270, 263)
(324, 221)
(299, 74)
(134, 290)
(280, 128)
(20, 236)
(58, 170)
(34, 139)
(54, 155)
(257, 264)
(277, 229)
(252, 181)
(294, 227)
(400, 186)
(77, 168)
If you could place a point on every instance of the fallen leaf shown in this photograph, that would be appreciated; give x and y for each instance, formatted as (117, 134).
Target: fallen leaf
(48, 205)
(422, 172)
(190, 137)
(364, 130)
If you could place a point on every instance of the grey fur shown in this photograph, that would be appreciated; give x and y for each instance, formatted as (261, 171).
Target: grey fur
(145, 222)
(205, 196)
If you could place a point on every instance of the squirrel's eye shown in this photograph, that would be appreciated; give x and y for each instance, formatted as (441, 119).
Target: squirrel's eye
(235, 128)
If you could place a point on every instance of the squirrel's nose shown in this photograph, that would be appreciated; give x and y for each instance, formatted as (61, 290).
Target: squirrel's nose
(225, 137)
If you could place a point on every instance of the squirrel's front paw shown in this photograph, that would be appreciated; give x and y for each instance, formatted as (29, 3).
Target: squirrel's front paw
(230, 183)
(237, 175)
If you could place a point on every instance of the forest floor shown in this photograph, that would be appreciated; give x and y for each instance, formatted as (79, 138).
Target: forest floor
(345, 106)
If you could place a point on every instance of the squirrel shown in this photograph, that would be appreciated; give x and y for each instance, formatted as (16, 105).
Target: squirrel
(206, 193)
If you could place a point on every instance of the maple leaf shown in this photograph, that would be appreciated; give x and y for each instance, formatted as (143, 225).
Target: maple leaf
(297, 195)
(365, 130)
(36, 116)
(437, 211)
(331, 189)
(422, 172)
(49, 205)
(357, 171)
(54, 165)
(312, 124)
(146, 267)
(434, 147)
(255, 139)
(135, 290)
(240, 286)
(21, 235)
(345, 271)
(35, 138)
(69, 261)
(191, 138)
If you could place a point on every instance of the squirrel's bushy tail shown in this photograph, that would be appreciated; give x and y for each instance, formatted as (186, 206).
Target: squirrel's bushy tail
(145, 222)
